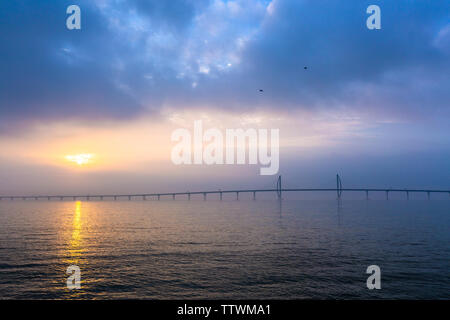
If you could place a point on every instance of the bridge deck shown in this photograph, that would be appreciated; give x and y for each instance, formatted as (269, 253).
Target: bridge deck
(237, 191)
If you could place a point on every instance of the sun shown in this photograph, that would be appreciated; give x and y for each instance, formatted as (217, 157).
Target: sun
(80, 159)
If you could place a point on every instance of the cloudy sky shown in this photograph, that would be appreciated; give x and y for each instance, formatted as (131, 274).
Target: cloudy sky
(373, 105)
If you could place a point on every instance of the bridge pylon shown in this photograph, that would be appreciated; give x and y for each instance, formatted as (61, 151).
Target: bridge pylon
(338, 186)
(279, 187)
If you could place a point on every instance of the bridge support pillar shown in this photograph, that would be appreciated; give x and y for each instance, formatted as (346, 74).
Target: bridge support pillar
(237, 195)
(221, 196)
(144, 198)
(129, 198)
(115, 197)
(189, 196)
(173, 196)
(428, 195)
(407, 195)
(367, 194)
(254, 195)
(159, 196)
(387, 195)
(204, 196)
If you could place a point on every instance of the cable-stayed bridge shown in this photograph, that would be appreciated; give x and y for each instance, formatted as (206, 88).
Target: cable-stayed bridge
(278, 190)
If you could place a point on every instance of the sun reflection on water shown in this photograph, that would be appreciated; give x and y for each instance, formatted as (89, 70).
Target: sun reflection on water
(75, 243)
(75, 247)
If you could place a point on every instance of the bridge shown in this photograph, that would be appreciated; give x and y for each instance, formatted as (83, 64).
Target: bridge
(278, 191)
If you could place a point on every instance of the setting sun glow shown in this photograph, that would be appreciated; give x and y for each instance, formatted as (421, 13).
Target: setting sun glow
(80, 159)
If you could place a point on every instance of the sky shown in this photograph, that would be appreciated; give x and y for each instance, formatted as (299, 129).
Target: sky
(372, 105)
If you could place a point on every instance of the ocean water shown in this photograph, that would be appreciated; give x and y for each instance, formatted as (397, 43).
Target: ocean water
(211, 249)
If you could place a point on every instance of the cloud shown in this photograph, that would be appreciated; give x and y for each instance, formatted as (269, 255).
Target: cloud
(134, 57)
(397, 67)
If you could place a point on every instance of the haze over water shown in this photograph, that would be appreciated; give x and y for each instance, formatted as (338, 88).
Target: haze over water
(225, 249)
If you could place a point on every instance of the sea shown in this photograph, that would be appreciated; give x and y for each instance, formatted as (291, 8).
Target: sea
(246, 249)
